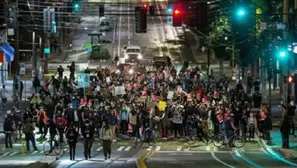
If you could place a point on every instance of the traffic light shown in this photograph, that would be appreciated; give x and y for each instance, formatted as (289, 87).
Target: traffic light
(101, 10)
(177, 17)
(282, 53)
(140, 19)
(145, 6)
(241, 12)
(289, 79)
(152, 10)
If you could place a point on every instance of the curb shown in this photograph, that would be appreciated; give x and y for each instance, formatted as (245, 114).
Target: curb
(274, 154)
(140, 162)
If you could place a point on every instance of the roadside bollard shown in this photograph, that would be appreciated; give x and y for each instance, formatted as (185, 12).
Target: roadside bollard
(23, 148)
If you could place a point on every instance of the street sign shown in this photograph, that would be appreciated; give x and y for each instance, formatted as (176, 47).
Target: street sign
(272, 26)
(83, 80)
(22, 69)
(47, 50)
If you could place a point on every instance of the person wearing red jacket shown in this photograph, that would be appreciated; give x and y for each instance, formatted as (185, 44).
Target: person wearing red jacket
(60, 124)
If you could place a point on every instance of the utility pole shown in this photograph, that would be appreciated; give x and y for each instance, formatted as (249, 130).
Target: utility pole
(16, 64)
(285, 65)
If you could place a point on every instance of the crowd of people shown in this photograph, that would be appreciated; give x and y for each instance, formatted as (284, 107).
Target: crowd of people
(126, 101)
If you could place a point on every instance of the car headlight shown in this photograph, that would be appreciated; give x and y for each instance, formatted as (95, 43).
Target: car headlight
(131, 71)
(139, 56)
(126, 56)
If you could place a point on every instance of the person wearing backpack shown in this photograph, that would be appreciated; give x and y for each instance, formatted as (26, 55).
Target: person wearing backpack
(61, 124)
(28, 130)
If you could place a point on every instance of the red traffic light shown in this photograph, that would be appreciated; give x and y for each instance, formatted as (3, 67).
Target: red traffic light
(176, 11)
(145, 5)
(290, 79)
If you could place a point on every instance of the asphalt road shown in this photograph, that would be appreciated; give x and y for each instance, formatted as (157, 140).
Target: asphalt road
(231, 159)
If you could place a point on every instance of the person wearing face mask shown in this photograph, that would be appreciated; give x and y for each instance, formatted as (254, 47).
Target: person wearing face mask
(88, 131)
(106, 136)
(72, 135)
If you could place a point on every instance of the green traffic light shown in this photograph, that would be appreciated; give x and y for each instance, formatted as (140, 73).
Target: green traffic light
(241, 12)
(282, 54)
(76, 5)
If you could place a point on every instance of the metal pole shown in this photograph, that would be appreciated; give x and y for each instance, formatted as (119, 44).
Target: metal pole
(34, 55)
(285, 37)
(17, 47)
(208, 67)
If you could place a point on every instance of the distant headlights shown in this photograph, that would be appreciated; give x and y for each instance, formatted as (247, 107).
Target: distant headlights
(139, 57)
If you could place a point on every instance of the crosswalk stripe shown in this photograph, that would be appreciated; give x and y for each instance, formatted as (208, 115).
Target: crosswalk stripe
(149, 148)
(99, 149)
(128, 148)
(158, 148)
(5, 154)
(13, 153)
(179, 148)
(34, 152)
(121, 148)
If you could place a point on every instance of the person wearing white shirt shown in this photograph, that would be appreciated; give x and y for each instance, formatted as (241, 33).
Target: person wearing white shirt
(4, 97)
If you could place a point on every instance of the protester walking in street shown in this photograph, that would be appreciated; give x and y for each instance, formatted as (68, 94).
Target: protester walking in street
(42, 122)
(28, 130)
(8, 130)
(61, 124)
(106, 136)
(285, 131)
(72, 135)
(88, 131)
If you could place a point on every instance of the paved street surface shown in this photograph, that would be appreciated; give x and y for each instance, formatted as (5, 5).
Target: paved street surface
(161, 39)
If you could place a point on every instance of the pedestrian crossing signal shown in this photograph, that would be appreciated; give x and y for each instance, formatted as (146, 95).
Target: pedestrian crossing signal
(289, 79)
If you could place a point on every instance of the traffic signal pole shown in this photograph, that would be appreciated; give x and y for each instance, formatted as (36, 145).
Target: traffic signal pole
(285, 65)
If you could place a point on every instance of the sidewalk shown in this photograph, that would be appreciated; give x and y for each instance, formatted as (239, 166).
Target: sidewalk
(275, 148)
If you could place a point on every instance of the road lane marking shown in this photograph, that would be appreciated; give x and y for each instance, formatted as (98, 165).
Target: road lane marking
(13, 153)
(220, 161)
(149, 148)
(121, 148)
(128, 148)
(158, 148)
(242, 156)
(34, 152)
(179, 148)
(5, 154)
(99, 149)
